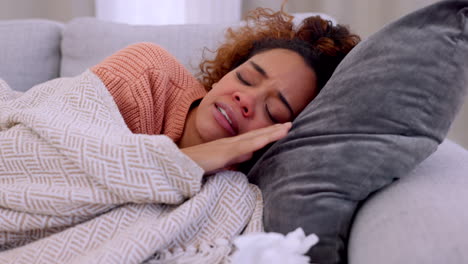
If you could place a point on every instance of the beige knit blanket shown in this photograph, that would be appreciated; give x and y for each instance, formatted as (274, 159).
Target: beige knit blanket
(76, 186)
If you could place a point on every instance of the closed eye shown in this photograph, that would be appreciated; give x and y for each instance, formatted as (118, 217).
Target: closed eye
(274, 120)
(242, 80)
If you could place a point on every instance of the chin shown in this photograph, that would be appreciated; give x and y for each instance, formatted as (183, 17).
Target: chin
(210, 134)
(210, 131)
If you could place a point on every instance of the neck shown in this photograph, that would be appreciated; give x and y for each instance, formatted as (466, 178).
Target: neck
(190, 135)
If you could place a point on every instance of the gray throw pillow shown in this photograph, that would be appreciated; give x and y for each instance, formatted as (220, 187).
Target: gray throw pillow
(385, 109)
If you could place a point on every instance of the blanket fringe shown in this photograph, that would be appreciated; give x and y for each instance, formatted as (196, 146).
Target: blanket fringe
(216, 253)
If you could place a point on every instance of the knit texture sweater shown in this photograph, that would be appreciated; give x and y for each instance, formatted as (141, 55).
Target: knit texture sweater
(152, 90)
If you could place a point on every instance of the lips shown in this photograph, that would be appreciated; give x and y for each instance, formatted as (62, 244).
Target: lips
(226, 118)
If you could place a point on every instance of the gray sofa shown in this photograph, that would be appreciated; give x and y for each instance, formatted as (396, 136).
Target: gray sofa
(418, 219)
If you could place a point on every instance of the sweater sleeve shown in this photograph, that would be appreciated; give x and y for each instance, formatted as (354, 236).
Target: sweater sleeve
(149, 86)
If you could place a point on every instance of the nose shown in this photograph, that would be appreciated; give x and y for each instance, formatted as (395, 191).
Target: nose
(246, 102)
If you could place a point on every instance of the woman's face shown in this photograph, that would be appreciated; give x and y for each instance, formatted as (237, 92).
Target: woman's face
(273, 86)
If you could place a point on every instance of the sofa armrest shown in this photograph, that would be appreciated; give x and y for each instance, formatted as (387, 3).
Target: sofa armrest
(418, 219)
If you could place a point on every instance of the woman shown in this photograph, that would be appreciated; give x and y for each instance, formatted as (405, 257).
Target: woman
(81, 184)
(264, 74)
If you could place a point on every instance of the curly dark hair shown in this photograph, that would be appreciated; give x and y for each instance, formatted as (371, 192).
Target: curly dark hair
(321, 44)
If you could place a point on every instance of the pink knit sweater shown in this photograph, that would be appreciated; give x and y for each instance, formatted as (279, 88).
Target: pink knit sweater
(152, 90)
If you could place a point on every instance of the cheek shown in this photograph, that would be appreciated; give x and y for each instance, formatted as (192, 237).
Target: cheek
(215, 93)
(302, 106)
(303, 102)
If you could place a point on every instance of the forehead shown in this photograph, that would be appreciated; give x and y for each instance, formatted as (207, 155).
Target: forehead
(283, 64)
(288, 57)
(288, 73)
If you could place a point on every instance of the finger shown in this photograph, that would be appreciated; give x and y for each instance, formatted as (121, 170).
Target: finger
(265, 131)
(272, 135)
(267, 138)
(259, 141)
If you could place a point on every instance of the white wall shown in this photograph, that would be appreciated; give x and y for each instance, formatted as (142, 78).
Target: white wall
(164, 12)
(60, 10)
(365, 16)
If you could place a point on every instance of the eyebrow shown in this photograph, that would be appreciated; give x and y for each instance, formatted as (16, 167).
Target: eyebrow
(260, 70)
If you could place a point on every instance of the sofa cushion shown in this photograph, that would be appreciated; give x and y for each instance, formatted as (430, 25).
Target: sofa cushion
(87, 41)
(385, 109)
(30, 52)
(418, 219)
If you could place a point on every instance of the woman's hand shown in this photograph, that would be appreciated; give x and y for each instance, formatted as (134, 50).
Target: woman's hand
(224, 152)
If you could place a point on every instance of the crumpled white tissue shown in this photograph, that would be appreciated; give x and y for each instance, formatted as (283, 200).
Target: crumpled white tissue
(272, 248)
